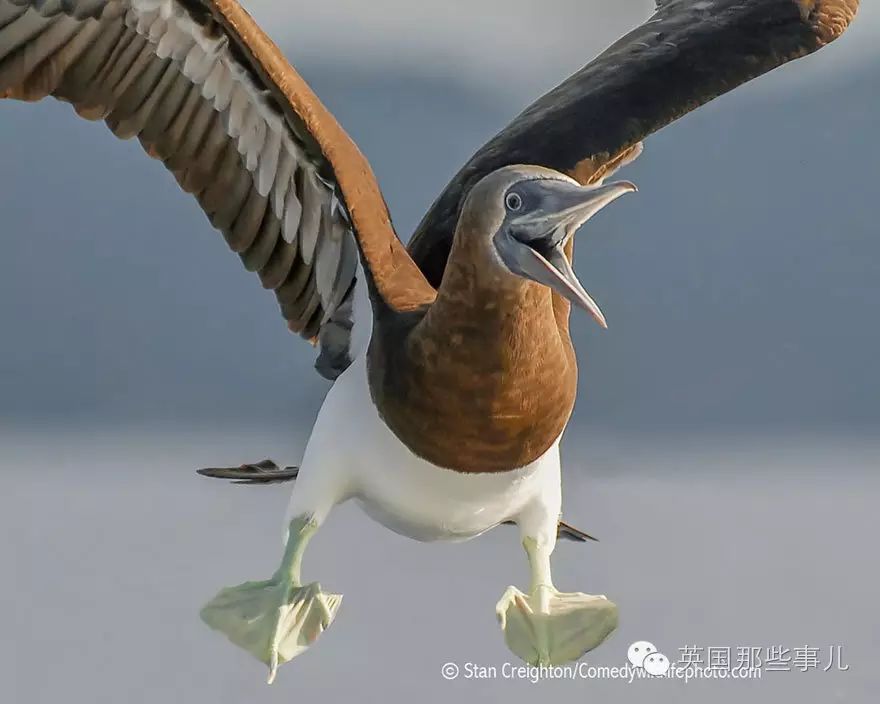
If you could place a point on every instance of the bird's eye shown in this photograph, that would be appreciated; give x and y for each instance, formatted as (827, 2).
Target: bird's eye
(513, 201)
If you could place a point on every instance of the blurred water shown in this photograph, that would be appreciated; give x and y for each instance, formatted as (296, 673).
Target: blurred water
(111, 544)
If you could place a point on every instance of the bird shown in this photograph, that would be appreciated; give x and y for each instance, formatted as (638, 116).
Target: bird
(454, 375)
(268, 472)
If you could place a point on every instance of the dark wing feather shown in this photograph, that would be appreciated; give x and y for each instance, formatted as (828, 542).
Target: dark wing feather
(685, 55)
(207, 92)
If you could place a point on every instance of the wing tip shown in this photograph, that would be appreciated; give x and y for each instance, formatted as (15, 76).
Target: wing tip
(828, 18)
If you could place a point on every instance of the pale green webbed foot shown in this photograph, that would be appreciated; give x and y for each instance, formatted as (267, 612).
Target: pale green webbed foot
(548, 627)
(273, 620)
(277, 619)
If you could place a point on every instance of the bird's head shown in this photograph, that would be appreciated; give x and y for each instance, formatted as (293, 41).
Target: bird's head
(530, 213)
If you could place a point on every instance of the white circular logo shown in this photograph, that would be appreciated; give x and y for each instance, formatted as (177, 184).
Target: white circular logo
(449, 671)
(656, 664)
(638, 651)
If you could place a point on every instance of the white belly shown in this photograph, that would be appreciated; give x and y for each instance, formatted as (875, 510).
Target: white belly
(352, 454)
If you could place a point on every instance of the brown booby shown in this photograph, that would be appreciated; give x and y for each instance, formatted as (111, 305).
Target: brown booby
(448, 422)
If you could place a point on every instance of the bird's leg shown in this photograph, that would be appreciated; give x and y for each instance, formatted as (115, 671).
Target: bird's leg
(277, 619)
(546, 626)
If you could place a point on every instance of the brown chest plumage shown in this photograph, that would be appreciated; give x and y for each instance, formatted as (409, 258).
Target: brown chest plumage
(484, 380)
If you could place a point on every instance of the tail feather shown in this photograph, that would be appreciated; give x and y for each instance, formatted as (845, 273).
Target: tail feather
(569, 532)
(265, 472)
(564, 531)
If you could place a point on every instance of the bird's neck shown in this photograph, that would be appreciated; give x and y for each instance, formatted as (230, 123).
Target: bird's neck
(485, 380)
(489, 314)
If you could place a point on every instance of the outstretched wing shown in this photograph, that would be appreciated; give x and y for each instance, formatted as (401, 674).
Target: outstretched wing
(207, 92)
(685, 55)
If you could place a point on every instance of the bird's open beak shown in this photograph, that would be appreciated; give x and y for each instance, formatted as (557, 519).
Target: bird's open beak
(535, 247)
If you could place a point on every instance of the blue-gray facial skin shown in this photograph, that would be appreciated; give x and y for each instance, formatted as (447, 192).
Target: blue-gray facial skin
(540, 215)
